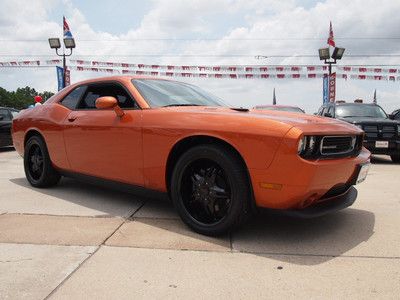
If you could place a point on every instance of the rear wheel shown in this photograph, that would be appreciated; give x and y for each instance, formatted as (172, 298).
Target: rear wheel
(38, 168)
(395, 158)
(210, 189)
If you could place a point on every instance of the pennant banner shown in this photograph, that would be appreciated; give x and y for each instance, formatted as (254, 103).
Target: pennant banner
(30, 63)
(233, 75)
(20, 63)
(222, 68)
(222, 71)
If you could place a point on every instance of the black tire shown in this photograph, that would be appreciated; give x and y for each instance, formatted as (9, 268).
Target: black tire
(211, 190)
(395, 158)
(37, 164)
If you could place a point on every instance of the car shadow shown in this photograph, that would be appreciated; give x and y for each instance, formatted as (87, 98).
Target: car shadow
(305, 241)
(106, 201)
(381, 160)
(278, 237)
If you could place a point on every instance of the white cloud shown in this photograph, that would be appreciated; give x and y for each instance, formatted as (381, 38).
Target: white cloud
(176, 19)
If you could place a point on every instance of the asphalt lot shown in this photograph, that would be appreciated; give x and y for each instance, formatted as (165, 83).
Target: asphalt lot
(78, 241)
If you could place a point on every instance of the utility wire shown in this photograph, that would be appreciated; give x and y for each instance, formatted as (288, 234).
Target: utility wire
(208, 39)
(200, 55)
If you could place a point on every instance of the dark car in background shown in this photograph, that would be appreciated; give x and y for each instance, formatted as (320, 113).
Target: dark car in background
(6, 116)
(280, 108)
(382, 134)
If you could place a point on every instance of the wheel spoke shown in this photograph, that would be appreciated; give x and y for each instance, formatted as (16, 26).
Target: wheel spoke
(205, 191)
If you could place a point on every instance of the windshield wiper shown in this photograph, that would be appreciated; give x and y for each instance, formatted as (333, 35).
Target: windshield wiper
(182, 104)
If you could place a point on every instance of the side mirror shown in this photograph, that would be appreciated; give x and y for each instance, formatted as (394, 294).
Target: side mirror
(328, 115)
(391, 117)
(108, 102)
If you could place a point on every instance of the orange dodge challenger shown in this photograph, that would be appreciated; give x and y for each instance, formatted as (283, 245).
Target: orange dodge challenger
(216, 163)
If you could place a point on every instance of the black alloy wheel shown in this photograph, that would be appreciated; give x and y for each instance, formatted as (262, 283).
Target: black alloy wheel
(206, 191)
(37, 164)
(210, 189)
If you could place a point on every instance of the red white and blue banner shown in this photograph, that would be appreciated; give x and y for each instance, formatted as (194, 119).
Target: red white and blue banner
(66, 31)
(217, 71)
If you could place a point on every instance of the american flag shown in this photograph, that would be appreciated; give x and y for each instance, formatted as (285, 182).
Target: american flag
(331, 41)
(67, 32)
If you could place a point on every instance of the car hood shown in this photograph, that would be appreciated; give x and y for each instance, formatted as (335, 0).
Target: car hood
(304, 122)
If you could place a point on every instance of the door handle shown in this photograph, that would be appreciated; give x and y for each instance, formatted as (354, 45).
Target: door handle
(72, 118)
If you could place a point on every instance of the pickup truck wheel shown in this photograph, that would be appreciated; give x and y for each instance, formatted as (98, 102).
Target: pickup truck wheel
(395, 158)
(38, 168)
(210, 189)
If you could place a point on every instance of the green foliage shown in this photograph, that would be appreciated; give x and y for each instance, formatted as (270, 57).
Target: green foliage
(22, 97)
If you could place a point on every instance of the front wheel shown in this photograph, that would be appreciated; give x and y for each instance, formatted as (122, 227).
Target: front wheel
(38, 168)
(395, 158)
(210, 189)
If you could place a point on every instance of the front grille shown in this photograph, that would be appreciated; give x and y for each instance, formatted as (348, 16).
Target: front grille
(388, 132)
(335, 145)
(381, 131)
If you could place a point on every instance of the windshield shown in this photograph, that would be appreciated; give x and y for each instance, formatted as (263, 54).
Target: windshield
(357, 110)
(159, 93)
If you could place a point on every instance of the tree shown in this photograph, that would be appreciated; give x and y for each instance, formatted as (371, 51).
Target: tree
(22, 97)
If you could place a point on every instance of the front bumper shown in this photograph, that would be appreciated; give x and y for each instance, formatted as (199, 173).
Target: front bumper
(293, 183)
(328, 205)
(394, 147)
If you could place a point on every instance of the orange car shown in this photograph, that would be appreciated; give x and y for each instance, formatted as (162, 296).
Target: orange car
(216, 163)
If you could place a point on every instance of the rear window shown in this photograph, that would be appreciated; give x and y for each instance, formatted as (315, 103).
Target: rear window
(5, 115)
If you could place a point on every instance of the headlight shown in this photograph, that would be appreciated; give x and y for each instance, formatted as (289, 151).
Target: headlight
(301, 146)
(398, 129)
(307, 146)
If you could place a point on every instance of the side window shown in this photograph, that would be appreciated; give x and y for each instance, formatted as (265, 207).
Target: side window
(320, 111)
(323, 111)
(108, 89)
(5, 115)
(72, 99)
(397, 116)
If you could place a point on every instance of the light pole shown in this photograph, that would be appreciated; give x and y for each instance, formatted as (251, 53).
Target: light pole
(69, 43)
(325, 55)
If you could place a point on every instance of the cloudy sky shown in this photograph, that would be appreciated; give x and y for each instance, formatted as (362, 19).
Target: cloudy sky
(209, 32)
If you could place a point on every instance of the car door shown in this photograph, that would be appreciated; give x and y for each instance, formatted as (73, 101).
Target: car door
(5, 127)
(101, 144)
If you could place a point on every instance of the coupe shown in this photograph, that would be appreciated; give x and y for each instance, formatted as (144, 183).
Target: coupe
(218, 164)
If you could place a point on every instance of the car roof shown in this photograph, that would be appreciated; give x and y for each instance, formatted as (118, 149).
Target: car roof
(271, 105)
(351, 103)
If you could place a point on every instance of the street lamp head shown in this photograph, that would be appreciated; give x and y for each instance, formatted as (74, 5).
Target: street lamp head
(69, 43)
(54, 43)
(324, 53)
(338, 53)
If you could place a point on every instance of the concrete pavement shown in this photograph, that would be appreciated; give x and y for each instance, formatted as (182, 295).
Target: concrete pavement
(81, 241)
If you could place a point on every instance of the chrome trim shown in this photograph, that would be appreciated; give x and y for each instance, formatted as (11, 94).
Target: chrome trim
(353, 143)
